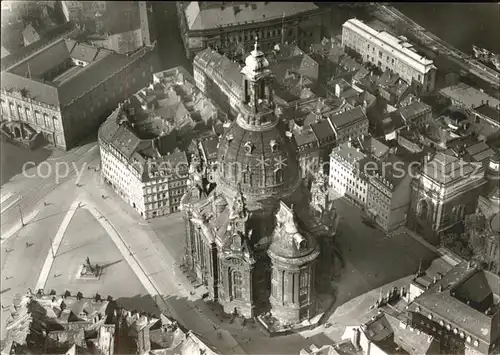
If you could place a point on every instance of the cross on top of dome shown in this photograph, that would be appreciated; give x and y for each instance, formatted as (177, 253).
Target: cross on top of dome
(256, 63)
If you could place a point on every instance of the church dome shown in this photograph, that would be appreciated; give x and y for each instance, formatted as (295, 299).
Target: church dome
(262, 159)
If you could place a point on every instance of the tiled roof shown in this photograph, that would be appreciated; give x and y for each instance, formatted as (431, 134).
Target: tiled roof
(304, 137)
(347, 118)
(200, 16)
(480, 151)
(209, 148)
(217, 63)
(445, 300)
(414, 109)
(490, 112)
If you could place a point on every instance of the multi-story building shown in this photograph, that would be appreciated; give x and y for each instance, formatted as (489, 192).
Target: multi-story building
(65, 89)
(232, 27)
(219, 77)
(82, 10)
(348, 172)
(461, 310)
(349, 124)
(139, 155)
(416, 114)
(445, 191)
(386, 334)
(390, 53)
(388, 195)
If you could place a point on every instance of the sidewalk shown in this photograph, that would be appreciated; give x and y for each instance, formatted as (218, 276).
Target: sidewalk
(154, 265)
(56, 242)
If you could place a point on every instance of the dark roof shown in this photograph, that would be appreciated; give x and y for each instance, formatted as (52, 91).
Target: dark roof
(209, 148)
(488, 111)
(232, 153)
(414, 109)
(445, 300)
(103, 64)
(90, 76)
(348, 117)
(322, 130)
(49, 37)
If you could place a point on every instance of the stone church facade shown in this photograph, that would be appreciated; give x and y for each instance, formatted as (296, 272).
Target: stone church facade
(251, 237)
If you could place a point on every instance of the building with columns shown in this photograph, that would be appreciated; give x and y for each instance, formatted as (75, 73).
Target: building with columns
(248, 235)
(446, 190)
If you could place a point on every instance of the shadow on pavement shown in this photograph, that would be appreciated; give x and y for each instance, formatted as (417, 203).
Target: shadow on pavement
(139, 303)
(13, 157)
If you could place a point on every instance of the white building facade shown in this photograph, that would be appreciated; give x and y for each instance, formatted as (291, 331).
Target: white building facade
(390, 53)
(347, 176)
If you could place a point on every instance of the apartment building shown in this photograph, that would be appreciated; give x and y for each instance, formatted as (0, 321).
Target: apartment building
(349, 124)
(388, 195)
(232, 27)
(66, 89)
(416, 114)
(139, 154)
(388, 52)
(348, 172)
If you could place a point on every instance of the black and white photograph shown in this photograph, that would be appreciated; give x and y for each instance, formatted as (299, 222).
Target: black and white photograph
(239, 178)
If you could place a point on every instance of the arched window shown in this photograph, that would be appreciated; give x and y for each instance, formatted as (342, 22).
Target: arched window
(278, 176)
(303, 286)
(422, 209)
(237, 284)
(457, 213)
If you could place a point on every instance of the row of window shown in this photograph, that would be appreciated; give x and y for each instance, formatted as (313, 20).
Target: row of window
(25, 114)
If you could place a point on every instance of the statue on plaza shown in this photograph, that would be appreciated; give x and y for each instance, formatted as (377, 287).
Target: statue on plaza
(89, 269)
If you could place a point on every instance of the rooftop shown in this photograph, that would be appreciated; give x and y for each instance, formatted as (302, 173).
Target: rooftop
(400, 48)
(414, 109)
(490, 112)
(394, 336)
(347, 118)
(445, 169)
(467, 95)
(211, 15)
(465, 298)
(34, 74)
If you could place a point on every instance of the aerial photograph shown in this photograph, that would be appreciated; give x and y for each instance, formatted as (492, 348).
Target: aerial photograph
(226, 178)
